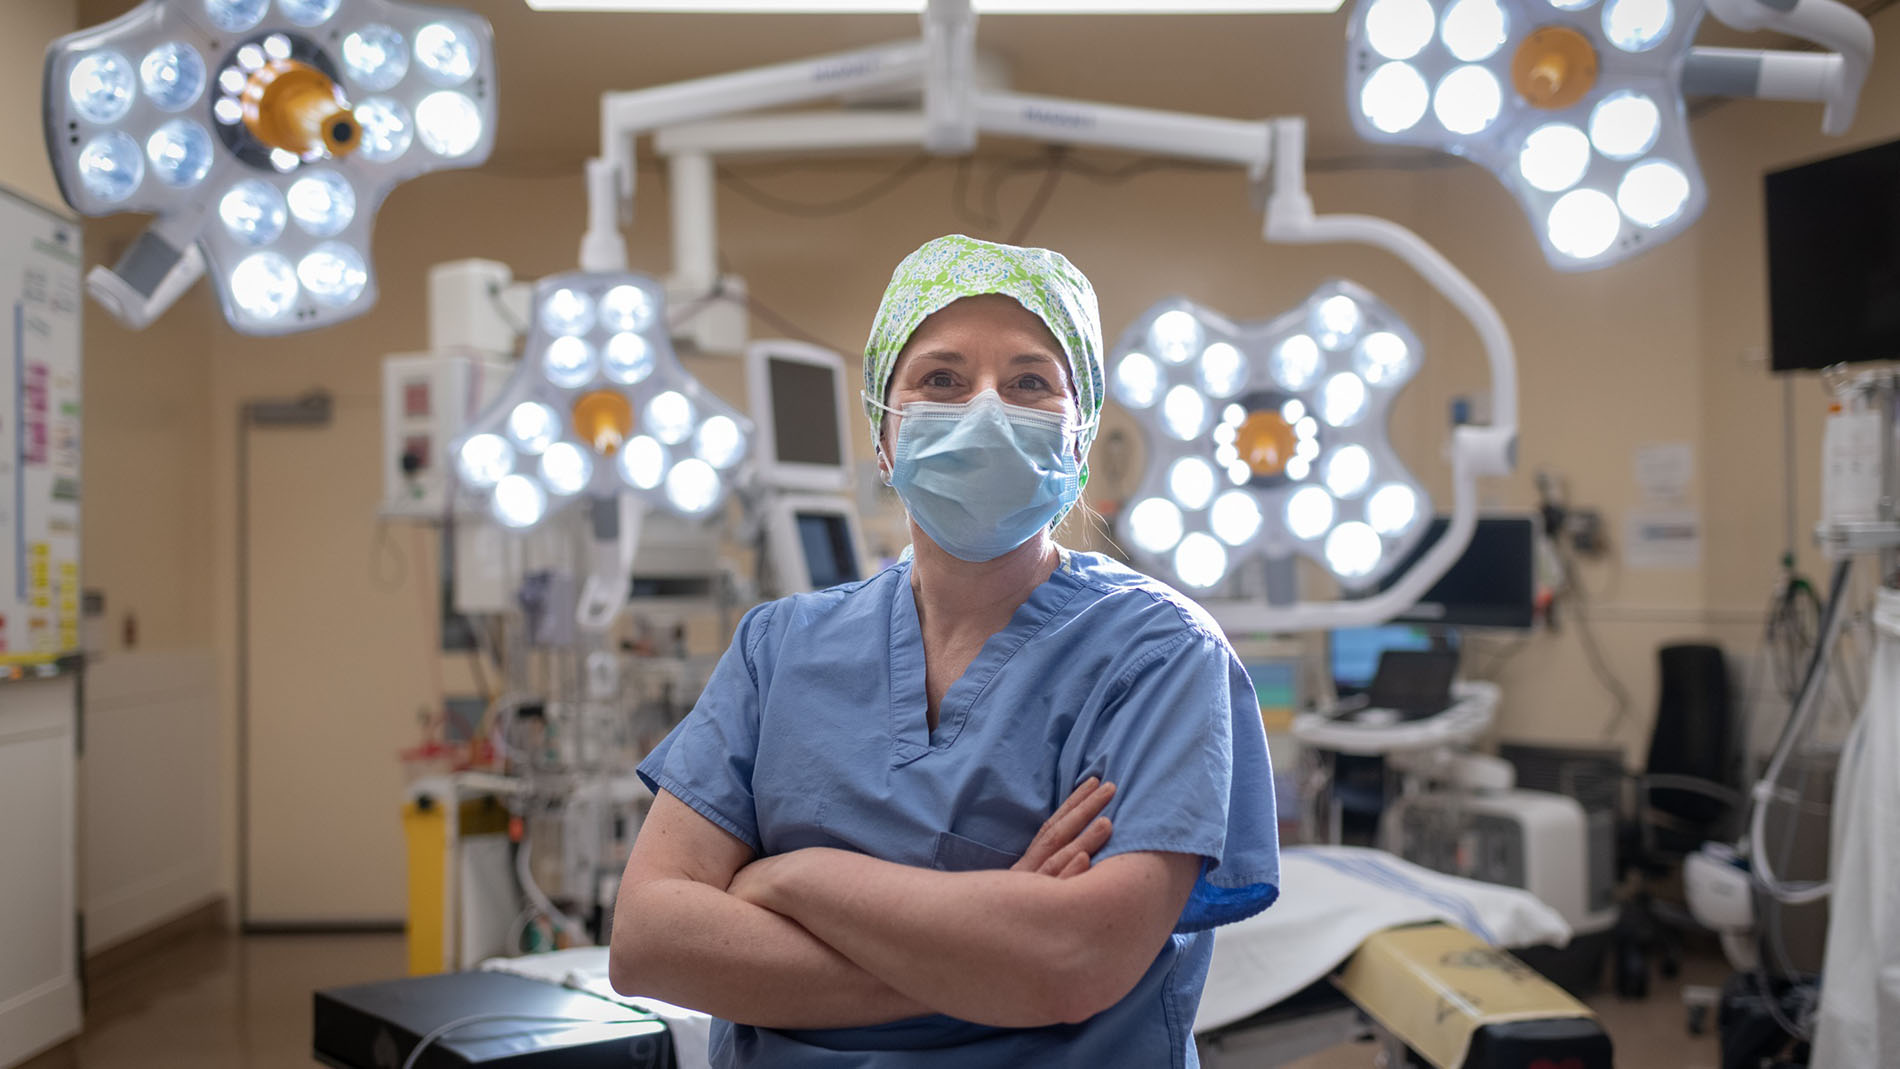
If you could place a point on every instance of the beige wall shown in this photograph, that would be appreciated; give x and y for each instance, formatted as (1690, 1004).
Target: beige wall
(27, 27)
(1611, 360)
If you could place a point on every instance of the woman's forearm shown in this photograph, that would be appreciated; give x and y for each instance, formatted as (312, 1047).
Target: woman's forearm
(1011, 949)
(693, 945)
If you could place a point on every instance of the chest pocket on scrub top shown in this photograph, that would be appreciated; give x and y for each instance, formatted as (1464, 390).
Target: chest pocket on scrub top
(958, 854)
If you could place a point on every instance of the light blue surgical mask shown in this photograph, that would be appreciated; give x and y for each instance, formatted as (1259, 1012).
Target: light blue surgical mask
(983, 476)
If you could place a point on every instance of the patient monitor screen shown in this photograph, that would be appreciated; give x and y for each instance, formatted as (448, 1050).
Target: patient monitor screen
(825, 538)
(804, 413)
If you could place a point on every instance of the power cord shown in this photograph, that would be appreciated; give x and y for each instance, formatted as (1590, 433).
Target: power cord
(439, 1033)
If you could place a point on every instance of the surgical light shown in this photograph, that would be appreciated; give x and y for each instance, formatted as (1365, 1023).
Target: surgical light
(1347, 471)
(629, 359)
(1653, 193)
(1555, 157)
(519, 501)
(1184, 412)
(1295, 363)
(1583, 223)
(172, 75)
(253, 212)
(643, 463)
(1394, 98)
(626, 308)
(601, 408)
(242, 105)
(1191, 482)
(1473, 30)
(1155, 525)
(1638, 25)
(1352, 550)
(692, 486)
(483, 460)
(264, 285)
(1555, 97)
(1382, 355)
(1343, 399)
(1467, 100)
(719, 442)
(1236, 517)
(533, 426)
(670, 415)
(1137, 381)
(569, 361)
(1222, 371)
(387, 131)
(449, 124)
(111, 167)
(1200, 560)
(1175, 336)
(180, 153)
(1399, 29)
(1392, 508)
(1624, 125)
(565, 468)
(333, 274)
(1296, 451)
(322, 203)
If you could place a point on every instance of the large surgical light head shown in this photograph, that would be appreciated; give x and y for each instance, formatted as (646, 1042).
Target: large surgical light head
(264, 134)
(1576, 105)
(600, 407)
(1268, 440)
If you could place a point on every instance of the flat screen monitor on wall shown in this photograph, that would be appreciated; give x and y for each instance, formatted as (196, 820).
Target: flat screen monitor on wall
(1834, 260)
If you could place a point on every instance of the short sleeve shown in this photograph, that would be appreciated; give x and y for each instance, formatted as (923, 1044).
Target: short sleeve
(1181, 739)
(707, 760)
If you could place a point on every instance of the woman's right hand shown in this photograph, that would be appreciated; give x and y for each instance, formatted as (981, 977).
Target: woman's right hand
(1070, 838)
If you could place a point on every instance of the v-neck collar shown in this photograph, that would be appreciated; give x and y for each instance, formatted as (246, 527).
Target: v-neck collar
(910, 734)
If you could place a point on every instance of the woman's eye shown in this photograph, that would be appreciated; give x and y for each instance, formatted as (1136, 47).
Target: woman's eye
(939, 378)
(1032, 382)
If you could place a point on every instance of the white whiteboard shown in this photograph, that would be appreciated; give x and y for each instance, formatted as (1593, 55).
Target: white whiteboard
(40, 294)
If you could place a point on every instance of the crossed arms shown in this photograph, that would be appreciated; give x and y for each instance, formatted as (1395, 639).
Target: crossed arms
(823, 938)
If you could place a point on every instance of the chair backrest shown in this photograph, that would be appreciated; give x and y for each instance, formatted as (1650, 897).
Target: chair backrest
(1694, 729)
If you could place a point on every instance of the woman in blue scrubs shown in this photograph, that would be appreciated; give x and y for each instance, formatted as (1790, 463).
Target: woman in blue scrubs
(985, 807)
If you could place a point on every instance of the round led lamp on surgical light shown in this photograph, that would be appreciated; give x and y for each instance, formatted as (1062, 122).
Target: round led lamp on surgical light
(1568, 102)
(305, 111)
(600, 406)
(1267, 440)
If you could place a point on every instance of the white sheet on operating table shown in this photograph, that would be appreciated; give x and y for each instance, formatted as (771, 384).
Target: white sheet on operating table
(1331, 899)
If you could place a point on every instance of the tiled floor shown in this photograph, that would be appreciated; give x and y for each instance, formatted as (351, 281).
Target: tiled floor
(222, 1002)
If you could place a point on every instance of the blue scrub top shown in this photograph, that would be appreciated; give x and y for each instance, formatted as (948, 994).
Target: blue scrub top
(812, 732)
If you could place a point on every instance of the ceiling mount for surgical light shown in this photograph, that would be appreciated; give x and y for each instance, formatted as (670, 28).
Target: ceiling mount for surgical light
(1291, 458)
(264, 134)
(1577, 106)
(601, 408)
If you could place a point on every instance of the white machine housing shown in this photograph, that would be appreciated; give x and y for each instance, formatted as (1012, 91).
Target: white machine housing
(427, 398)
(1535, 840)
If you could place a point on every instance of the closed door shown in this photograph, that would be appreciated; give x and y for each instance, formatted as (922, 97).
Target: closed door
(341, 664)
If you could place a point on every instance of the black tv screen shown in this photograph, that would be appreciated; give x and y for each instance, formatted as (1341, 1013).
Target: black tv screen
(1834, 260)
(1494, 584)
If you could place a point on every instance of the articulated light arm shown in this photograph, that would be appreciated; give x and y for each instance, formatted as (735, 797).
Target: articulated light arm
(626, 115)
(1828, 23)
(1475, 451)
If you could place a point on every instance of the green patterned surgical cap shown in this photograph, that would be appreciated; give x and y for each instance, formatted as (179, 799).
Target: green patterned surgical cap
(952, 267)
